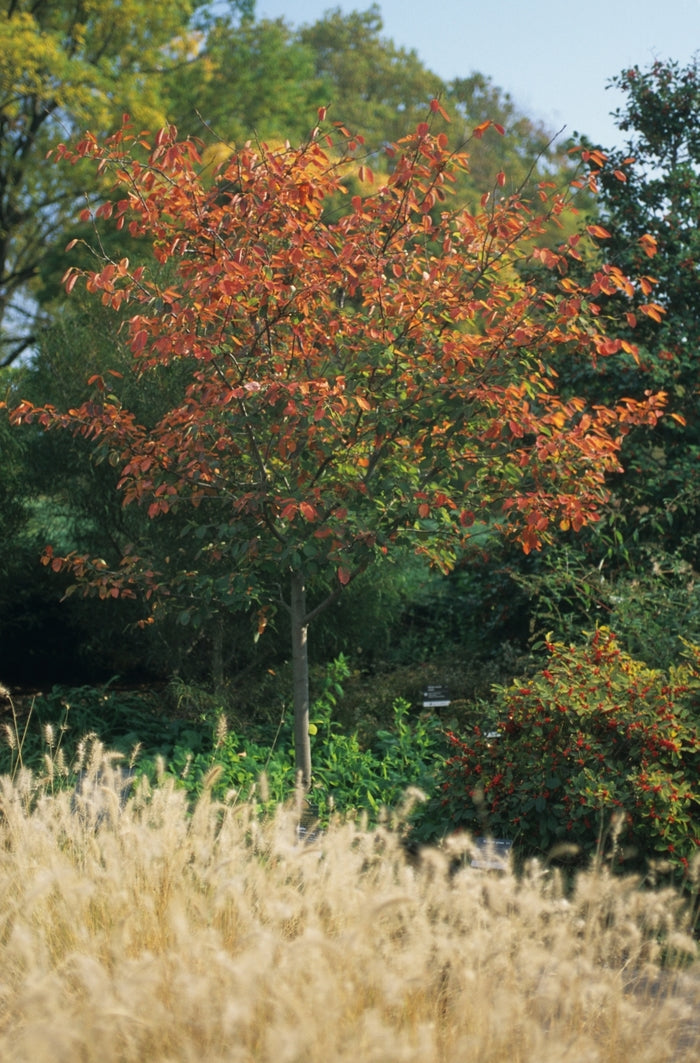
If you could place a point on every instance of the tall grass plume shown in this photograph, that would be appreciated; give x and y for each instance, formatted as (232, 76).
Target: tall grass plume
(133, 928)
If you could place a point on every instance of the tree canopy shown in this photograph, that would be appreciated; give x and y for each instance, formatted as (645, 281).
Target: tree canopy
(214, 71)
(349, 381)
(655, 210)
(67, 67)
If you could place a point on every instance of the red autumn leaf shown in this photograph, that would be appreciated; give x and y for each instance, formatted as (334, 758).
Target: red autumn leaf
(598, 231)
(307, 511)
(648, 244)
(653, 310)
(69, 279)
(138, 341)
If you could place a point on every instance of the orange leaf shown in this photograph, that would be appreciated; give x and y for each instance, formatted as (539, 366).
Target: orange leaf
(69, 279)
(344, 576)
(599, 231)
(653, 310)
(648, 244)
(139, 341)
(307, 511)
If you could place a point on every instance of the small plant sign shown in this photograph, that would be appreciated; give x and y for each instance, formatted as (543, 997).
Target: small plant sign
(436, 697)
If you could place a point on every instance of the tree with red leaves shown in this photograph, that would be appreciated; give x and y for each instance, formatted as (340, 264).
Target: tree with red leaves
(358, 371)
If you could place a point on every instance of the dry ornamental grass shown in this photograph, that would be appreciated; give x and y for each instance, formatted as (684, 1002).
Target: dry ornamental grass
(136, 931)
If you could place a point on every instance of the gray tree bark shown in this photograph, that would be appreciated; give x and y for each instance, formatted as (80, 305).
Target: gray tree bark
(300, 663)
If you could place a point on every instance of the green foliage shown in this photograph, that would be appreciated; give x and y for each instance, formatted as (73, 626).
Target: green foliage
(63, 492)
(124, 721)
(67, 67)
(381, 90)
(654, 212)
(636, 569)
(595, 753)
(372, 86)
(652, 603)
(349, 776)
(254, 78)
(256, 761)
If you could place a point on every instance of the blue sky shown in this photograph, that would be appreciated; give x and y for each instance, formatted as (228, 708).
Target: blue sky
(555, 58)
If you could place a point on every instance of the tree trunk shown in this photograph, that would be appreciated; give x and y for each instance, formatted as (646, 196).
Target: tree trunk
(300, 661)
(217, 653)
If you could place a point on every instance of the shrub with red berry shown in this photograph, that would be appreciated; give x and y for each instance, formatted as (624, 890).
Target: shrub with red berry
(596, 753)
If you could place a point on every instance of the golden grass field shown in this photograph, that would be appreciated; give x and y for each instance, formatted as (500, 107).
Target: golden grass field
(149, 934)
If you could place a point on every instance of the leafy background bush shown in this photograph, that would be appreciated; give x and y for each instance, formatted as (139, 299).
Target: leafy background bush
(190, 741)
(597, 752)
(350, 776)
(594, 753)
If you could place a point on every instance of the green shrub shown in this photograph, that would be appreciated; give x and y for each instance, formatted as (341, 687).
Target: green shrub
(349, 776)
(125, 721)
(597, 753)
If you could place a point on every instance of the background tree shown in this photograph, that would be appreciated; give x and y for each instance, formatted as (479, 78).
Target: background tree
(66, 67)
(350, 384)
(638, 571)
(239, 77)
(261, 78)
(656, 209)
(62, 496)
(381, 90)
(371, 85)
(255, 77)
